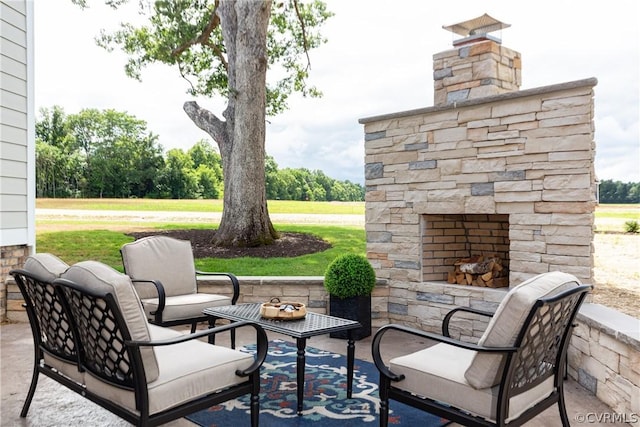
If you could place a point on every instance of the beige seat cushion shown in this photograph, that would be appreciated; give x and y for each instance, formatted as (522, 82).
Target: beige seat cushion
(184, 306)
(187, 370)
(102, 278)
(507, 321)
(161, 258)
(438, 373)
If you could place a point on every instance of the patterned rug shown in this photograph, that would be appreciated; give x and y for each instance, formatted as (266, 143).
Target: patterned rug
(325, 395)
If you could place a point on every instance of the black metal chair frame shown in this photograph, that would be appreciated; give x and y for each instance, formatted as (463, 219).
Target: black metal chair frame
(94, 322)
(539, 352)
(50, 328)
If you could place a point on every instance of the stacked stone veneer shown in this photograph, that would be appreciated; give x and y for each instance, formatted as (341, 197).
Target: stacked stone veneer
(10, 298)
(477, 70)
(526, 157)
(604, 357)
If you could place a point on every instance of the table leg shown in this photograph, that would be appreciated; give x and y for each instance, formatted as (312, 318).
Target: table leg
(300, 366)
(350, 359)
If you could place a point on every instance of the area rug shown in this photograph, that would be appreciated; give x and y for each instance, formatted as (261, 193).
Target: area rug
(325, 395)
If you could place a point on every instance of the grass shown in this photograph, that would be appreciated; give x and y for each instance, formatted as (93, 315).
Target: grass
(81, 245)
(613, 217)
(98, 240)
(104, 246)
(618, 211)
(342, 239)
(170, 205)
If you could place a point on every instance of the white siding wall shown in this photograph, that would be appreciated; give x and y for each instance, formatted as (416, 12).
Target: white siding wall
(17, 139)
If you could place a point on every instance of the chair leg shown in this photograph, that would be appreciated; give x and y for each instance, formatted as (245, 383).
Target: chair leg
(233, 339)
(563, 409)
(194, 326)
(384, 401)
(255, 399)
(212, 324)
(32, 389)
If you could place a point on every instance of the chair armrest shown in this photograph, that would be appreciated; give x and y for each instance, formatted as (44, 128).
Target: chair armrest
(384, 370)
(449, 315)
(232, 277)
(261, 342)
(161, 296)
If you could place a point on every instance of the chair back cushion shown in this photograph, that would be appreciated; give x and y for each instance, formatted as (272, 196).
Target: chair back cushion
(502, 331)
(55, 336)
(45, 266)
(99, 277)
(161, 258)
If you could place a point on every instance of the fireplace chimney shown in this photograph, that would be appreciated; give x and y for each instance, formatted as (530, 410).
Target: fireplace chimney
(478, 66)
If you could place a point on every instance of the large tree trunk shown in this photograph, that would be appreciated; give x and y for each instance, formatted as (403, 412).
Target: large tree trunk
(241, 137)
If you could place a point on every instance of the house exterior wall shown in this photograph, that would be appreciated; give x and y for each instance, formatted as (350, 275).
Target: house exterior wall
(17, 140)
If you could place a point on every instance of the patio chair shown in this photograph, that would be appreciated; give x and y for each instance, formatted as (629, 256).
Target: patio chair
(512, 374)
(163, 271)
(143, 380)
(55, 353)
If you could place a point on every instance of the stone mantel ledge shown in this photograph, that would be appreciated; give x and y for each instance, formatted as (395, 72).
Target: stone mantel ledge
(590, 82)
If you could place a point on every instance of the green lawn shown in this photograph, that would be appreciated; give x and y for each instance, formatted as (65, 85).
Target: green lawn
(97, 239)
(169, 205)
(104, 246)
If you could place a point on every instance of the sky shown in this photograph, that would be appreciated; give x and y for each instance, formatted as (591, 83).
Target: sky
(378, 60)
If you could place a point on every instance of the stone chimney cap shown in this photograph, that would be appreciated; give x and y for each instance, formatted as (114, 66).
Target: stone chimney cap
(478, 26)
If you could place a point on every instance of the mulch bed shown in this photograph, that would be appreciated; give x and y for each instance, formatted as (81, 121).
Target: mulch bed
(288, 245)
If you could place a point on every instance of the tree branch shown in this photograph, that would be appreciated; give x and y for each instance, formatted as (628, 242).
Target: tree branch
(203, 38)
(304, 33)
(207, 121)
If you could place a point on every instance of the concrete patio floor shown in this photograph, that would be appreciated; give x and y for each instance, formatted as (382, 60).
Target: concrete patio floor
(55, 405)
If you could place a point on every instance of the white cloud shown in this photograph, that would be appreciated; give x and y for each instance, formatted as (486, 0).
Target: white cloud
(378, 60)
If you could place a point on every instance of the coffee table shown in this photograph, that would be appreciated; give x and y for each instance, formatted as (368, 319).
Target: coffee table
(311, 325)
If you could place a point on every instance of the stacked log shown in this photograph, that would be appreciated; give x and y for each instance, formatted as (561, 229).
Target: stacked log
(479, 271)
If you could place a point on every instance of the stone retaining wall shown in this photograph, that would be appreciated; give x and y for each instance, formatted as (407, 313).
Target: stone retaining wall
(604, 357)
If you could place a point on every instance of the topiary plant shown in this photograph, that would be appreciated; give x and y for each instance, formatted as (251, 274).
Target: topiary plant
(350, 275)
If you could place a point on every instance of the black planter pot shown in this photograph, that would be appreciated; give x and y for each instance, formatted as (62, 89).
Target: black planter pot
(354, 308)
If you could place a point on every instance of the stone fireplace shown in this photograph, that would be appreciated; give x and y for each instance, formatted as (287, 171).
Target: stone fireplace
(489, 169)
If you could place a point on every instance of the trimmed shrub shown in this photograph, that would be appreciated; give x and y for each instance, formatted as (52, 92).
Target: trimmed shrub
(350, 275)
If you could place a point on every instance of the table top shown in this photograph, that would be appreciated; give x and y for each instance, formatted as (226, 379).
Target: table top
(311, 325)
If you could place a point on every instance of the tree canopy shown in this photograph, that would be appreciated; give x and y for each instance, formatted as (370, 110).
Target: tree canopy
(77, 157)
(619, 192)
(225, 47)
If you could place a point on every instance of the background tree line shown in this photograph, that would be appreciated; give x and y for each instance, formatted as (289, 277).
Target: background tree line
(619, 192)
(110, 154)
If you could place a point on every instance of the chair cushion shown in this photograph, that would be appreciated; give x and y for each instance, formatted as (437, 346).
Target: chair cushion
(159, 333)
(187, 371)
(438, 373)
(68, 369)
(184, 306)
(102, 278)
(45, 266)
(503, 329)
(161, 258)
